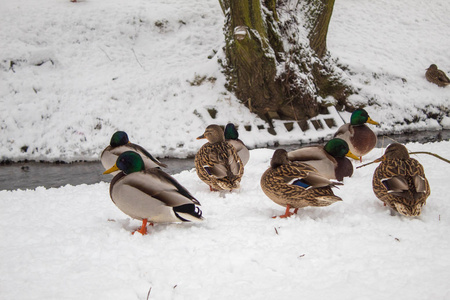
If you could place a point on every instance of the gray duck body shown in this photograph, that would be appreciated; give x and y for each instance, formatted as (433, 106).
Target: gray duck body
(153, 195)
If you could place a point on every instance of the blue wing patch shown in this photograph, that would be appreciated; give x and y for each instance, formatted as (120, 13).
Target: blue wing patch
(301, 183)
(208, 170)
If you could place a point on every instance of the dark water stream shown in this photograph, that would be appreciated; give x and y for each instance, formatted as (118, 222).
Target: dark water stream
(29, 175)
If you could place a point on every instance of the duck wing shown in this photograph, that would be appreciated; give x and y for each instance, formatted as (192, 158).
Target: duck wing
(241, 149)
(318, 158)
(307, 154)
(148, 158)
(396, 185)
(220, 160)
(159, 185)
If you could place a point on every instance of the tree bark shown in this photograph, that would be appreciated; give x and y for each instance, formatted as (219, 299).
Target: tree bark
(321, 19)
(276, 68)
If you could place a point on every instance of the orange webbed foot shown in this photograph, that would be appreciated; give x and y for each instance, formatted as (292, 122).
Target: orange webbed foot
(143, 229)
(287, 214)
(212, 189)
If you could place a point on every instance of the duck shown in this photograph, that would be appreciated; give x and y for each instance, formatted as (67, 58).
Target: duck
(330, 160)
(217, 162)
(296, 185)
(359, 137)
(119, 144)
(150, 195)
(436, 76)
(399, 181)
(232, 137)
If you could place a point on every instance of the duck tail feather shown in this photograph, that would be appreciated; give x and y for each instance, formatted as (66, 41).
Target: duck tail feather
(188, 213)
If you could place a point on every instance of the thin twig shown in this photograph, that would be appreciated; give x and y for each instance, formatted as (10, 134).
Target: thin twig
(137, 59)
(417, 152)
(148, 294)
(430, 153)
(105, 54)
(372, 162)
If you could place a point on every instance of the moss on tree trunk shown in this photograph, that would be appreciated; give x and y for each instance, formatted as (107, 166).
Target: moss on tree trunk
(269, 67)
(321, 20)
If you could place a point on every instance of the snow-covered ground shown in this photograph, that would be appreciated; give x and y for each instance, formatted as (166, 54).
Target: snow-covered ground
(73, 73)
(73, 243)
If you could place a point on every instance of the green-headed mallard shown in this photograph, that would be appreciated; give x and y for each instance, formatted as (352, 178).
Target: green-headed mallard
(296, 185)
(329, 160)
(399, 181)
(150, 194)
(232, 137)
(119, 144)
(360, 138)
(217, 162)
(436, 76)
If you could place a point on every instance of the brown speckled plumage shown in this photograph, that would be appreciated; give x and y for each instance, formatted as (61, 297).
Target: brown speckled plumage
(277, 184)
(436, 76)
(217, 162)
(399, 181)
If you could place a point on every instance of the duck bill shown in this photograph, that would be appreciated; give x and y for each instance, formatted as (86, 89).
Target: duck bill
(112, 169)
(349, 154)
(201, 137)
(370, 121)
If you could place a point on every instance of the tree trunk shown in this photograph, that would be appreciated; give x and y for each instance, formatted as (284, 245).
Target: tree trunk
(273, 65)
(320, 20)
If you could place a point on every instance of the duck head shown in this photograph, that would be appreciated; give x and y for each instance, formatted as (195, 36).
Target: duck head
(128, 162)
(279, 158)
(432, 67)
(230, 132)
(394, 151)
(339, 148)
(360, 116)
(119, 138)
(213, 133)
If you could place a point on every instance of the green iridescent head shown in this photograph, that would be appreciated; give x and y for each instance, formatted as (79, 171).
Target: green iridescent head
(231, 132)
(130, 162)
(119, 138)
(338, 148)
(360, 116)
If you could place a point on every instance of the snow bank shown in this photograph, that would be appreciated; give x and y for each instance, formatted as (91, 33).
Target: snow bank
(73, 243)
(73, 73)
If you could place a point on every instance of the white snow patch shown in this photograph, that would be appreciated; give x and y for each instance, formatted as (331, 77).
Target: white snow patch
(73, 243)
(73, 73)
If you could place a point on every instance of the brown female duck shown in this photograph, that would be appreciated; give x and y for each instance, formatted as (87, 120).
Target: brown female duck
(399, 181)
(296, 185)
(436, 76)
(217, 162)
